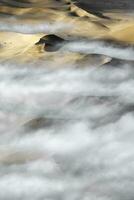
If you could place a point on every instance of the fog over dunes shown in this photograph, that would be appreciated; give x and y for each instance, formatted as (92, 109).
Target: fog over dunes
(66, 100)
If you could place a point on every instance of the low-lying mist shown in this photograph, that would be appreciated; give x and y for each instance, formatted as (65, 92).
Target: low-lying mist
(66, 115)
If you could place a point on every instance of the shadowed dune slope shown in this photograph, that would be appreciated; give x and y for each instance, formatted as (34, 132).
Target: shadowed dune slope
(102, 5)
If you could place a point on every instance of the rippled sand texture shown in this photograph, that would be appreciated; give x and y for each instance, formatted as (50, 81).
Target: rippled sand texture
(66, 100)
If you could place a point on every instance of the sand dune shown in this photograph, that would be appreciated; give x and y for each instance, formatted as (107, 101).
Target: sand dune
(75, 24)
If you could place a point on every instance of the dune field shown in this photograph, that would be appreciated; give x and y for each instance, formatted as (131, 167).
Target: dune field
(66, 99)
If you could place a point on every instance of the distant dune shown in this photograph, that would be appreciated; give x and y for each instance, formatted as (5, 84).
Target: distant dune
(102, 5)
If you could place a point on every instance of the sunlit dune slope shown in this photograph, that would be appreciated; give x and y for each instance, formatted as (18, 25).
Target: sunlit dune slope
(123, 32)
